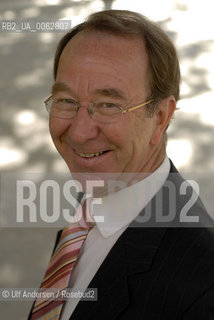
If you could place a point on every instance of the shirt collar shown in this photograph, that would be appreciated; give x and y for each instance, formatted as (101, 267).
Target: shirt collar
(119, 209)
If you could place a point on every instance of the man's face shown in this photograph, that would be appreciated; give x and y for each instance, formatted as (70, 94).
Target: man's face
(97, 67)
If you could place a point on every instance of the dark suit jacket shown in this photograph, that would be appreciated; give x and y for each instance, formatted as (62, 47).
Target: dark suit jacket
(157, 273)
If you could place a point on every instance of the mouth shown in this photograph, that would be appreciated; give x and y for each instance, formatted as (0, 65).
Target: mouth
(90, 155)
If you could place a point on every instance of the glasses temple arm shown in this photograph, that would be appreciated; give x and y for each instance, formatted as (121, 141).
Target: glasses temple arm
(137, 107)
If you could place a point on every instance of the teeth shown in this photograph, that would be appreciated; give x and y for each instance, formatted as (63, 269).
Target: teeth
(89, 155)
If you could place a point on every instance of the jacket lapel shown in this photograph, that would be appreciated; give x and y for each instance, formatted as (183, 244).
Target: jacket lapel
(132, 254)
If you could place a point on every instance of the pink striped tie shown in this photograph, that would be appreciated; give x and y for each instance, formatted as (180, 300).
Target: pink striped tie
(59, 271)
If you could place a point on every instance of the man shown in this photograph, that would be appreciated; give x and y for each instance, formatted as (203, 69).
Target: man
(116, 86)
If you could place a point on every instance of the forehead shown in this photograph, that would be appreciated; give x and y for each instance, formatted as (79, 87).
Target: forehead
(103, 54)
(105, 45)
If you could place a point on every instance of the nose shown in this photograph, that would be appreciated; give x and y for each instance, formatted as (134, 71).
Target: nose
(83, 127)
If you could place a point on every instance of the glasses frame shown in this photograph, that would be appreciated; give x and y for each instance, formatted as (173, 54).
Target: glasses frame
(130, 109)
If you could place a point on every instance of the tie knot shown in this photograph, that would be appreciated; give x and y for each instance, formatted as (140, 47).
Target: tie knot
(83, 220)
(84, 216)
(86, 219)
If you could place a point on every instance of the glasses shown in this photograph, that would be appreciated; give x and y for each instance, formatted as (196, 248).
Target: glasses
(106, 112)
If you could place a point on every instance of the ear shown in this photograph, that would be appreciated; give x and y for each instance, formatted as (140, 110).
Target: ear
(162, 116)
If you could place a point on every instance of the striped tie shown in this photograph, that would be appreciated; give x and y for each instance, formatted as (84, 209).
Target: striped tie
(59, 271)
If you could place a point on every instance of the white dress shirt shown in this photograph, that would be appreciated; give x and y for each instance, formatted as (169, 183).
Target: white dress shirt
(119, 210)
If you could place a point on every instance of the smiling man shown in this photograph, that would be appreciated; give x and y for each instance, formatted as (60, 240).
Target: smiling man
(116, 86)
(94, 69)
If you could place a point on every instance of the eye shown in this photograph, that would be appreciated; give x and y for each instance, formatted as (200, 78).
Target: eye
(67, 101)
(63, 104)
(107, 108)
(108, 105)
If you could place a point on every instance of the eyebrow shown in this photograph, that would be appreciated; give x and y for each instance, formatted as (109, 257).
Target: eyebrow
(106, 92)
(111, 92)
(60, 86)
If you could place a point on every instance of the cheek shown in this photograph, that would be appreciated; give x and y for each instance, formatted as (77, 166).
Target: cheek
(57, 128)
(141, 131)
(120, 134)
(124, 139)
